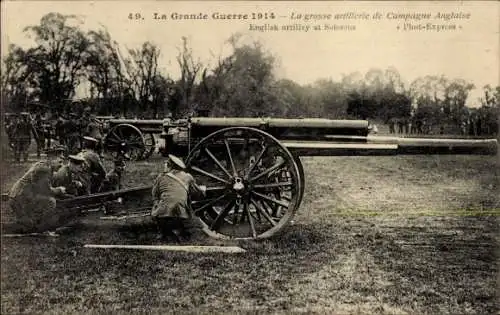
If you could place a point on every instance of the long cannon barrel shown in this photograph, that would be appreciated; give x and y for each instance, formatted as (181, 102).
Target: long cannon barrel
(145, 125)
(282, 128)
(315, 136)
(375, 145)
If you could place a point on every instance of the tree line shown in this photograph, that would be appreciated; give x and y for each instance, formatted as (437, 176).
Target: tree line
(244, 83)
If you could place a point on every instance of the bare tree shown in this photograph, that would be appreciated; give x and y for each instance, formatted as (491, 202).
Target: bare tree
(190, 69)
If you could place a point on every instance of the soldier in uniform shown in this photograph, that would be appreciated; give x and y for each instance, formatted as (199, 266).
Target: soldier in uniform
(31, 201)
(72, 133)
(71, 177)
(92, 127)
(22, 137)
(171, 191)
(94, 172)
(40, 134)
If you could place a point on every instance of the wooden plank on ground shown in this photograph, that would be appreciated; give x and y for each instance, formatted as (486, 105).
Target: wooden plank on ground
(182, 248)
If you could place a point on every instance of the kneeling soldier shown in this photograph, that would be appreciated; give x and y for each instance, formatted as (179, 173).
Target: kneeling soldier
(94, 172)
(31, 199)
(71, 177)
(171, 192)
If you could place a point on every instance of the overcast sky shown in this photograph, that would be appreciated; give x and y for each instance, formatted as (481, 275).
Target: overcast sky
(470, 53)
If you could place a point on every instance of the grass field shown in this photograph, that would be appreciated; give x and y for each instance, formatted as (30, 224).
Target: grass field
(374, 235)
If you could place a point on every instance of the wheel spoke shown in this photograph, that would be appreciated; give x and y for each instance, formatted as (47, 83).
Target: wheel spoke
(278, 202)
(273, 209)
(218, 162)
(199, 170)
(120, 132)
(216, 188)
(263, 212)
(275, 185)
(269, 170)
(218, 221)
(211, 203)
(257, 160)
(228, 149)
(117, 137)
(139, 142)
(114, 140)
(250, 219)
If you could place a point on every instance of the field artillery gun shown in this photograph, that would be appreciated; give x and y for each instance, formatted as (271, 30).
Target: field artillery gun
(252, 168)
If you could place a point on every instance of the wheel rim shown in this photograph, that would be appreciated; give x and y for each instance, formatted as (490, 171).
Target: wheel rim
(253, 184)
(125, 138)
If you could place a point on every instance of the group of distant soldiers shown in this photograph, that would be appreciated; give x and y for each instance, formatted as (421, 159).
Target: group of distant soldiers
(68, 129)
(408, 126)
(471, 125)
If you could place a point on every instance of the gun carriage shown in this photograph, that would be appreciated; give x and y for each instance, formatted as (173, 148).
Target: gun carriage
(251, 166)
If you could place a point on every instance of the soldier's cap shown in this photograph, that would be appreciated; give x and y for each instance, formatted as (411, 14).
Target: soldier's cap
(90, 139)
(77, 159)
(177, 161)
(55, 150)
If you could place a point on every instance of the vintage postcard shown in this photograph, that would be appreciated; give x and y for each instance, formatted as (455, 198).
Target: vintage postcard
(326, 157)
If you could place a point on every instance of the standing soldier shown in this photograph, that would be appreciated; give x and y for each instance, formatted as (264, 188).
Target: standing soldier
(92, 127)
(171, 192)
(22, 137)
(72, 133)
(10, 129)
(392, 124)
(31, 203)
(94, 170)
(39, 134)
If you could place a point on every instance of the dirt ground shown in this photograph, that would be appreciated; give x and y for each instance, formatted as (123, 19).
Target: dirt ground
(374, 235)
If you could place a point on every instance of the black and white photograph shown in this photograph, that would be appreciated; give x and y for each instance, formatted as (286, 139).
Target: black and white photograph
(250, 157)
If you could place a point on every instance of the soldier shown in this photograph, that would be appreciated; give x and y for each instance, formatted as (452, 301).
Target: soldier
(22, 137)
(92, 127)
(94, 170)
(113, 178)
(71, 177)
(10, 126)
(39, 134)
(31, 200)
(392, 124)
(171, 192)
(72, 134)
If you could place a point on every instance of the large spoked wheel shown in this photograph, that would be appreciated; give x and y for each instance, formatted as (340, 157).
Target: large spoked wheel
(150, 145)
(254, 184)
(125, 138)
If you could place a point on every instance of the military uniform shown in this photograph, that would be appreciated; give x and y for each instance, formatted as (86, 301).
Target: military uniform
(73, 180)
(31, 200)
(22, 138)
(170, 194)
(94, 172)
(171, 191)
(72, 134)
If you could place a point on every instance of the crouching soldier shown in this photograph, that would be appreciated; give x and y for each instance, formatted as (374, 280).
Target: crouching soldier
(71, 177)
(31, 201)
(94, 170)
(171, 191)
